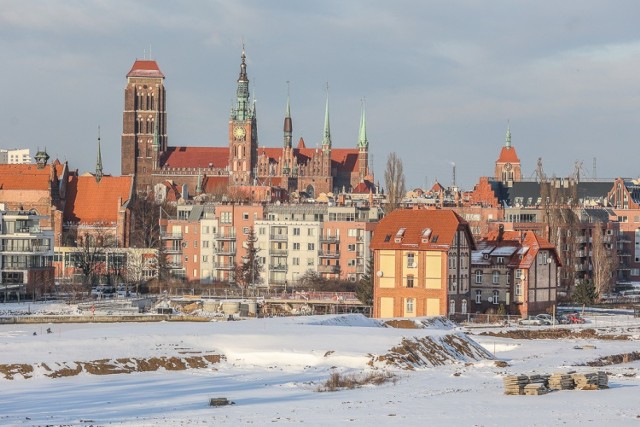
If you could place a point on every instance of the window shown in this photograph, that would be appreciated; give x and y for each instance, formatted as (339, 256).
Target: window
(452, 306)
(225, 217)
(352, 232)
(500, 260)
(245, 216)
(262, 231)
(518, 289)
(409, 305)
(296, 261)
(310, 262)
(195, 243)
(496, 277)
(311, 246)
(411, 260)
(310, 232)
(410, 281)
(464, 306)
(496, 294)
(478, 276)
(205, 258)
(205, 229)
(296, 231)
(478, 296)
(205, 243)
(351, 248)
(245, 230)
(186, 258)
(518, 273)
(508, 278)
(296, 246)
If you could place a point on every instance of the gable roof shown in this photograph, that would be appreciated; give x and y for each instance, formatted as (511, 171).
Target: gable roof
(195, 157)
(418, 229)
(89, 201)
(145, 68)
(27, 176)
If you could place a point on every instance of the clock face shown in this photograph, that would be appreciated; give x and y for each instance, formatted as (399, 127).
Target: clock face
(507, 166)
(238, 132)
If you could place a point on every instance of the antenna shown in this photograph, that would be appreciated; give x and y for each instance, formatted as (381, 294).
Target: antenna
(593, 171)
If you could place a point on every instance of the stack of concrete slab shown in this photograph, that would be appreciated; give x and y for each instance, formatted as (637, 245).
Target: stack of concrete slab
(515, 384)
(603, 380)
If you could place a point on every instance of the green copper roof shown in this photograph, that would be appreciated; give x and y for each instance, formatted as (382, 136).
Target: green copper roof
(99, 173)
(508, 137)
(326, 138)
(362, 138)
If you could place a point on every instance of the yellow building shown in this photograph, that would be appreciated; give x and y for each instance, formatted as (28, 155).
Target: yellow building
(422, 260)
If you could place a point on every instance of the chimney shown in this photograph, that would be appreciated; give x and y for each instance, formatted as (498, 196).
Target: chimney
(500, 232)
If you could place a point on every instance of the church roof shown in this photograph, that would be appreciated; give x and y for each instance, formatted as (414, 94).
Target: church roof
(301, 143)
(89, 201)
(26, 176)
(364, 187)
(508, 155)
(343, 159)
(196, 157)
(145, 68)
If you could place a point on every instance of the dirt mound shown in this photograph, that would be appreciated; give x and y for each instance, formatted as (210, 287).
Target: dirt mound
(615, 359)
(420, 323)
(110, 366)
(556, 333)
(433, 351)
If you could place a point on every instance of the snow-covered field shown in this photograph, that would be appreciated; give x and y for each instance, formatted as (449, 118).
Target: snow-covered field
(273, 368)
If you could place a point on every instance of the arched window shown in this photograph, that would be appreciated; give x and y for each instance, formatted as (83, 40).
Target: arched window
(478, 276)
(464, 306)
(452, 306)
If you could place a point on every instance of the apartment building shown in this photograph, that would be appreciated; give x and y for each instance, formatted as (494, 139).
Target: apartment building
(26, 254)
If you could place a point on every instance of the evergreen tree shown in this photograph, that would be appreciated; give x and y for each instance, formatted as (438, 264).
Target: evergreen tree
(364, 290)
(585, 293)
(249, 273)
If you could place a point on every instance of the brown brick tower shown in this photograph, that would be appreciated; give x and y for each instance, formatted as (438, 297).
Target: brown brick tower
(144, 128)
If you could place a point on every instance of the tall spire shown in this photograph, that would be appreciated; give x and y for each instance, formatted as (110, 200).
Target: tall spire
(99, 160)
(288, 124)
(507, 142)
(326, 138)
(362, 138)
(242, 92)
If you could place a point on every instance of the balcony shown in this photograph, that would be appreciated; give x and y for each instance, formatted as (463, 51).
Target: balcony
(278, 237)
(174, 266)
(171, 236)
(329, 269)
(173, 250)
(225, 236)
(278, 252)
(359, 268)
(279, 267)
(226, 251)
(329, 239)
(224, 266)
(28, 249)
(328, 254)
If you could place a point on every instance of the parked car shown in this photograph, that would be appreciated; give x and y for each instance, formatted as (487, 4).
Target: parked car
(561, 319)
(575, 318)
(530, 321)
(546, 319)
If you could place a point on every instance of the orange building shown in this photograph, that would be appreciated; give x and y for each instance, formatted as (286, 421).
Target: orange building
(422, 260)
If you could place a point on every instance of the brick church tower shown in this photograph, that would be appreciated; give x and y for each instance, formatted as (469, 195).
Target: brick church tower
(508, 163)
(144, 129)
(243, 134)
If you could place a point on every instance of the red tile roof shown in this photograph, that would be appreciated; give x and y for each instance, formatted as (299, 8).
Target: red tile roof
(508, 154)
(89, 201)
(411, 225)
(215, 184)
(301, 143)
(26, 177)
(364, 187)
(344, 159)
(145, 68)
(196, 157)
(525, 239)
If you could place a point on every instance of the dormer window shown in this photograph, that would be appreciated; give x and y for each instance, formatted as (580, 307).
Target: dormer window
(426, 233)
(400, 234)
(500, 260)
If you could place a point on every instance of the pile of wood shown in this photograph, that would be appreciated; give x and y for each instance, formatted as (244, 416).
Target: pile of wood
(591, 380)
(515, 384)
(535, 389)
(560, 381)
(537, 384)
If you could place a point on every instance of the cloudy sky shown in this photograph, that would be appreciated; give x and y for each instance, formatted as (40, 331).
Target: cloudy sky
(442, 80)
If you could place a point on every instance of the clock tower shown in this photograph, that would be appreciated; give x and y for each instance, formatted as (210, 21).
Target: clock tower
(508, 164)
(243, 135)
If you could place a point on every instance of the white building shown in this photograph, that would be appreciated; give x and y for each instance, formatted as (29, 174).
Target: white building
(14, 156)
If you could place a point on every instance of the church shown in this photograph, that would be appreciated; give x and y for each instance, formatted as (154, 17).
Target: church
(242, 167)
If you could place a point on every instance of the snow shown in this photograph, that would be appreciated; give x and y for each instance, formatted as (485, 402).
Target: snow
(273, 368)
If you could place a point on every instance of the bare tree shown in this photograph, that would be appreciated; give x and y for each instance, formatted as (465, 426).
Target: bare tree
(604, 261)
(394, 181)
(91, 255)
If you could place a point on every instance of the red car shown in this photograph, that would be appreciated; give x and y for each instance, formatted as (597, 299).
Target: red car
(575, 318)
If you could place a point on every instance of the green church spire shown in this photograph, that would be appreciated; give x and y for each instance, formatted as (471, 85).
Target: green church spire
(507, 142)
(288, 125)
(326, 138)
(362, 138)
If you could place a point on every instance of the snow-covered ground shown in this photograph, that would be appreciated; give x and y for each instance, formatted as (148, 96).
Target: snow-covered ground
(273, 368)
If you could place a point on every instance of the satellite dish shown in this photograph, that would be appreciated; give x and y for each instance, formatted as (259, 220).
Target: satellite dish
(379, 274)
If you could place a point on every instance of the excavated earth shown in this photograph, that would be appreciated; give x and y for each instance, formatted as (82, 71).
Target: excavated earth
(556, 333)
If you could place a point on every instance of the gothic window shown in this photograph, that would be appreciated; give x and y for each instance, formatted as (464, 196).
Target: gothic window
(464, 306)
